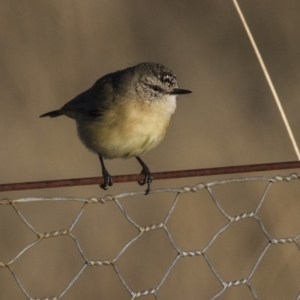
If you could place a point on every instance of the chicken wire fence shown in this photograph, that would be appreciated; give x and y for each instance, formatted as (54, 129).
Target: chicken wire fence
(208, 276)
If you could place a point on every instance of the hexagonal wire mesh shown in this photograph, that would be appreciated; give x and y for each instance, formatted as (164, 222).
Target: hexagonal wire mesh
(263, 236)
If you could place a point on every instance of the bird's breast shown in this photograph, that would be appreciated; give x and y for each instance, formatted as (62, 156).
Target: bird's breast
(128, 129)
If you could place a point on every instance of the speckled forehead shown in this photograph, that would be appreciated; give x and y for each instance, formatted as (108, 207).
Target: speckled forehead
(153, 72)
(168, 79)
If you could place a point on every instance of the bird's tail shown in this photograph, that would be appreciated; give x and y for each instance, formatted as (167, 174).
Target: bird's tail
(52, 114)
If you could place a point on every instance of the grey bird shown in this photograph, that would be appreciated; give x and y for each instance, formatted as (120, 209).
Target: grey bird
(125, 114)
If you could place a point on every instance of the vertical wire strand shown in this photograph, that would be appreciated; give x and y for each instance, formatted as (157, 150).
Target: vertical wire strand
(266, 73)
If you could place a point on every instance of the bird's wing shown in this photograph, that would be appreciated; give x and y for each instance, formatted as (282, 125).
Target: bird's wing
(93, 101)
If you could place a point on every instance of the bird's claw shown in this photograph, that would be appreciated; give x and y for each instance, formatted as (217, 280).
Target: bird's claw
(147, 179)
(107, 181)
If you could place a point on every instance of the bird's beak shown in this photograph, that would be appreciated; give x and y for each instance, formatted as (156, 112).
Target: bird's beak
(179, 92)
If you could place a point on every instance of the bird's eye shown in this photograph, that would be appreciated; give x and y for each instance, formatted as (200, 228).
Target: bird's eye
(156, 88)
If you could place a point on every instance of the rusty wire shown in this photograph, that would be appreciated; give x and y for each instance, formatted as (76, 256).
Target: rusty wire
(156, 176)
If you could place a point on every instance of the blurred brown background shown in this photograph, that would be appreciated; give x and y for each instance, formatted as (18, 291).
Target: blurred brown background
(51, 50)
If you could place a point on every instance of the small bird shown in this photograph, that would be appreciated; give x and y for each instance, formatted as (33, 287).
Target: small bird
(125, 114)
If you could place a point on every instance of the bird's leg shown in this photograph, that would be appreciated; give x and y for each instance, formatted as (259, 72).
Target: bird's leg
(148, 176)
(106, 176)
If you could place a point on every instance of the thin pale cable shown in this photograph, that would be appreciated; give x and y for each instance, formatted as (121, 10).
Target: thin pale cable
(286, 123)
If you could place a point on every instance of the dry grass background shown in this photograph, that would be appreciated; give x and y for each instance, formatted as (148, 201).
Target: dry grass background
(51, 50)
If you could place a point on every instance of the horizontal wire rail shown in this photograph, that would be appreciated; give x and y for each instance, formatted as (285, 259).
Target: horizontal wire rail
(156, 176)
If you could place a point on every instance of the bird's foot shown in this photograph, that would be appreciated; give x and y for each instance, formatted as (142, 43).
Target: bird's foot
(147, 179)
(107, 180)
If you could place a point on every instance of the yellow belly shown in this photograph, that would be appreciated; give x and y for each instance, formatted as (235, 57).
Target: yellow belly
(125, 131)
